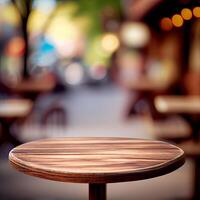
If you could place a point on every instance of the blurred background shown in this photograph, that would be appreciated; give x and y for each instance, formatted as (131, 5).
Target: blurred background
(100, 68)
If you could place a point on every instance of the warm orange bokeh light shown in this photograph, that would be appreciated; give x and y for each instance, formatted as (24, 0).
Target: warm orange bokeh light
(15, 47)
(177, 20)
(196, 12)
(186, 13)
(166, 24)
(110, 42)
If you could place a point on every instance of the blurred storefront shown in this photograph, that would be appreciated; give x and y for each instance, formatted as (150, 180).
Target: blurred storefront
(174, 45)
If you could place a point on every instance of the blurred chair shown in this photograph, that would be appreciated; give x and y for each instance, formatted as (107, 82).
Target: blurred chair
(55, 115)
(13, 112)
(54, 121)
(174, 129)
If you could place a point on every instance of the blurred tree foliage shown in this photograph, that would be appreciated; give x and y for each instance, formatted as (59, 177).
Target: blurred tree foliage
(93, 9)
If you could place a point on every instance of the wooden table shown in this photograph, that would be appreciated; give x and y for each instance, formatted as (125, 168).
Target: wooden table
(178, 104)
(32, 87)
(187, 106)
(145, 84)
(96, 161)
(146, 90)
(10, 111)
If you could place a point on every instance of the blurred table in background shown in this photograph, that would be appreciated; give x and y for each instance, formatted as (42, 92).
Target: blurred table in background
(186, 106)
(178, 104)
(189, 107)
(146, 90)
(10, 111)
(32, 87)
(145, 84)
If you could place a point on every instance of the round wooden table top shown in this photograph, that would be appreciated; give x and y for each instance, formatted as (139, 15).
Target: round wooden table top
(96, 159)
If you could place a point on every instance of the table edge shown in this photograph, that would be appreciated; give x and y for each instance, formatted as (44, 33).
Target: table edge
(135, 175)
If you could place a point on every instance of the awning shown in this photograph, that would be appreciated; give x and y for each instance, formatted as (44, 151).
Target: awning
(137, 9)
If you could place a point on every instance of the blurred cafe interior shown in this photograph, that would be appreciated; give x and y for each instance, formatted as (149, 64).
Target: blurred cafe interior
(100, 68)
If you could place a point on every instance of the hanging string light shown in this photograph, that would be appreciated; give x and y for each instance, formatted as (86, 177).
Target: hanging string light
(177, 20)
(186, 14)
(196, 12)
(166, 24)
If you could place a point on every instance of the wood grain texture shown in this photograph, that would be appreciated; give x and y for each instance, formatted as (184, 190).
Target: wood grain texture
(178, 104)
(96, 160)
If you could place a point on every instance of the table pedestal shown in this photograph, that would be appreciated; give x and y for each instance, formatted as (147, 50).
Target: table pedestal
(97, 191)
(196, 191)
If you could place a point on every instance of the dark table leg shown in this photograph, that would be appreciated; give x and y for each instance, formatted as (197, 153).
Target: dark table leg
(196, 192)
(97, 191)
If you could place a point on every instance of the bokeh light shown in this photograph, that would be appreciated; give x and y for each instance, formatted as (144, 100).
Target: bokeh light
(186, 13)
(110, 42)
(61, 29)
(98, 72)
(45, 54)
(177, 20)
(166, 24)
(135, 34)
(196, 12)
(74, 73)
(15, 47)
(46, 47)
